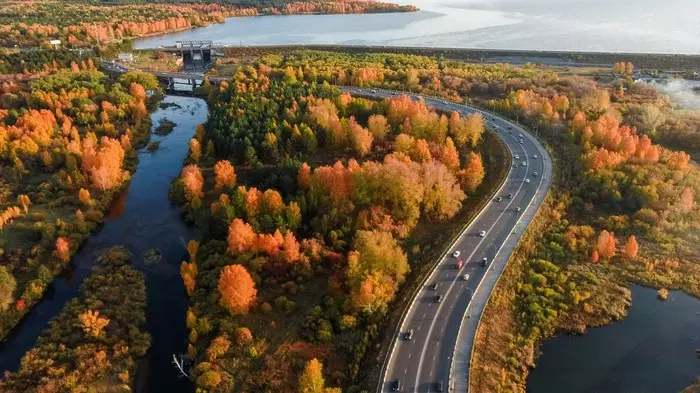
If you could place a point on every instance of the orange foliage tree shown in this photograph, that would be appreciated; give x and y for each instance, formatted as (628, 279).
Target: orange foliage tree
(241, 236)
(473, 174)
(225, 175)
(63, 249)
(631, 247)
(606, 244)
(92, 324)
(237, 289)
(193, 181)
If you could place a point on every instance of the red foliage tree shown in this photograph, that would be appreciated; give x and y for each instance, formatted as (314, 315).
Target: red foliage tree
(631, 247)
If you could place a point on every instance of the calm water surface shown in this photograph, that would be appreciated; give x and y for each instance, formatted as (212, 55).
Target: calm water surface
(650, 351)
(141, 219)
(571, 25)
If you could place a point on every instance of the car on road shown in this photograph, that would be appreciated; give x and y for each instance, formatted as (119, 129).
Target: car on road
(484, 261)
(409, 335)
(456, 254)
(433, 286)
(517, 156)
(465, 277)
(373, 91)
(459, 264)
(521, 136)
(527, 180)
(499, 199)
(438, 386)
(510, 127)
(515, 165)
(521, 141)
(510, 196)
(517, 209)
(396, 386)
(438, 298)
(534, 174)
(524, 163)
(482, 233)
(534, 156)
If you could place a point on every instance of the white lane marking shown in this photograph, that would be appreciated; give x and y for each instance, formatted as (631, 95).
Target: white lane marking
(432, 324)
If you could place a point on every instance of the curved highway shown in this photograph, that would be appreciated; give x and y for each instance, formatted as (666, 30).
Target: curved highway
(424, 363)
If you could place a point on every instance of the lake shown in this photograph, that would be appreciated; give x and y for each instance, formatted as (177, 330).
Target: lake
(652, 350)
(647, 26)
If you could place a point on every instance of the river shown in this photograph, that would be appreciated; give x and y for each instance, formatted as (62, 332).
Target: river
(141, 219)
(652, 350)
(644, 26)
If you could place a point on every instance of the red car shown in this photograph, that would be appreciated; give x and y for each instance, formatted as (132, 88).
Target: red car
(459, 264)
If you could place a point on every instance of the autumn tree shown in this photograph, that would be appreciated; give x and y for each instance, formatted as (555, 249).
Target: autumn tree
(378, 126)
(473, 173)
(449, 155)
(84, 196)
(243, 336)
(237, 289)
(606, 244)
(25, 202)
(631, 247)
(209, 380)
(311, 379)
(360, 137)
(595, 257)
(91, 323)
(241, 236)
(188, 272)
(375, 269)
(62, 249)
(218, 347)
(195, 150)
(7, 287)
(225, 176)
(443, 197)
(304, 176)
(193, 181)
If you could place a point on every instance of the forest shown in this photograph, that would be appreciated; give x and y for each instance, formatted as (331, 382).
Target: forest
(623, 207)
(88, 23)
(93, 344)
(68, 139)
(304, 198)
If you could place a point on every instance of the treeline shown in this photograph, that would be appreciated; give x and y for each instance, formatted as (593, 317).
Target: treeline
(87, 23)
(95, 342)
(303, 196)
(67, 145)
(30, 62)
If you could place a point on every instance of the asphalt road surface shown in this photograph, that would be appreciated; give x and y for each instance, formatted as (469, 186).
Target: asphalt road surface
(423, 362)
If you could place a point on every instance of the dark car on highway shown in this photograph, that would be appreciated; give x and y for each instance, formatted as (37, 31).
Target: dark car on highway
(438, 298)
(396, 386)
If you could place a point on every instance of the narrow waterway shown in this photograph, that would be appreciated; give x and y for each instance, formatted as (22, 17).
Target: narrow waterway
(141, 219)
(652, 350)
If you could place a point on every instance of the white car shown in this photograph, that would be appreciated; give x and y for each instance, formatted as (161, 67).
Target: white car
(524, 163)
(456, 254)
(482, 233)
(517, 157)
(521, 141)
(534, 174)
(521, 136)
(465, 277)
(527, 180)
(534, 156)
